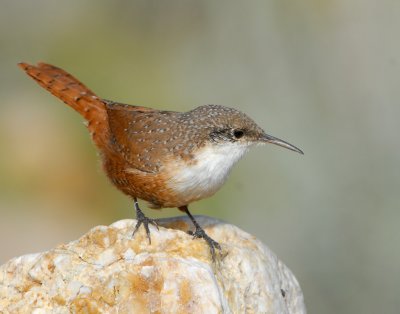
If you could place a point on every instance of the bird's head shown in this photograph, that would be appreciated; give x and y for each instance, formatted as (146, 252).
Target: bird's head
(228, 126)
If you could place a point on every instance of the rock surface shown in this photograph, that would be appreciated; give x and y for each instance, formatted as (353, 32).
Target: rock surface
(108, 271)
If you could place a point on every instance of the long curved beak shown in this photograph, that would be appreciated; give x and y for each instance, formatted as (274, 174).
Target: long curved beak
(273, 140)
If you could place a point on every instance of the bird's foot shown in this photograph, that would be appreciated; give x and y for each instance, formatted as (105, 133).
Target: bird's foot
(200, 233)
(142, 219)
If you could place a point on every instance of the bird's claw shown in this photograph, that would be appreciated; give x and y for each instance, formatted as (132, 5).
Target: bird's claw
(142, 219)
(200, 233)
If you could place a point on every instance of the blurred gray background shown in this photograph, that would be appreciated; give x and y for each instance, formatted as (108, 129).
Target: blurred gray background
(323, 75)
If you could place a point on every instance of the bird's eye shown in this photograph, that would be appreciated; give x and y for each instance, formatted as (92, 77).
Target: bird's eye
(238, 133)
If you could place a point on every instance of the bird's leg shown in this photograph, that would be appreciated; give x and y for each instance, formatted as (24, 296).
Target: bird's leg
(200, 233)
(142, 219)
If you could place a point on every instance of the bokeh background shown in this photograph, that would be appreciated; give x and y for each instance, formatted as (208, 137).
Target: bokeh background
(323, 75)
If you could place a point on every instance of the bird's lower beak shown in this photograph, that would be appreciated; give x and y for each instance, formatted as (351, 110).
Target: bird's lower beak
(273, 140)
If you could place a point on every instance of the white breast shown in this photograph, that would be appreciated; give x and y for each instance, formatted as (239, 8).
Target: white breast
(208, 173)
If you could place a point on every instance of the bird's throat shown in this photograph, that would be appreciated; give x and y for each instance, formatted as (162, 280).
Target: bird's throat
(207, 172)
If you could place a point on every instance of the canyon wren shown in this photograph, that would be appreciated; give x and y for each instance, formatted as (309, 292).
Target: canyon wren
(167, 158)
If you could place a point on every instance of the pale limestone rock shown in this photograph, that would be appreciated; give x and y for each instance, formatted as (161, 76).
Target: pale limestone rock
(108, 271)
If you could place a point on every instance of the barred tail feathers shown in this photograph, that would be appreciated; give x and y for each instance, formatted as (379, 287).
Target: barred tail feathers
(76, 95)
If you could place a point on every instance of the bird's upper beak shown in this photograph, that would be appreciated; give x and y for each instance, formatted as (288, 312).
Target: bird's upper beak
(273, 140)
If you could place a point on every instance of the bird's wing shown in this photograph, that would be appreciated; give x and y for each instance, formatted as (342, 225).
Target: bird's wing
(139, 135)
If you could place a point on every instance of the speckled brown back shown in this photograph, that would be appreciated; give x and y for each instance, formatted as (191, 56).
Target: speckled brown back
(147, 137)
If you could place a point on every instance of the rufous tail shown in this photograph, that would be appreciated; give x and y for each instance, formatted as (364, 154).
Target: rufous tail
(76, 95)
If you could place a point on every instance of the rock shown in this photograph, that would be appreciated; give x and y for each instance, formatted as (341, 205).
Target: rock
(108, 271)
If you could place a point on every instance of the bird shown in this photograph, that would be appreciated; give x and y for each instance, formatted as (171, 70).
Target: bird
(167, 158)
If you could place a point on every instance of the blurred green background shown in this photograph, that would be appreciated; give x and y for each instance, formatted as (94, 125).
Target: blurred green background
(323, 75)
